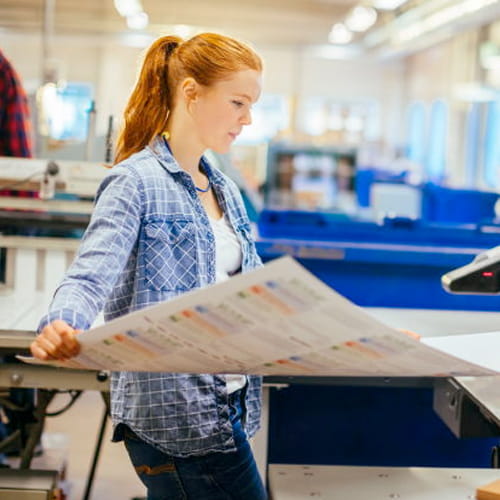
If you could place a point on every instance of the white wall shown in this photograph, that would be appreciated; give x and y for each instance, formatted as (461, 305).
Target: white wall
(443, 72)
(78, 57)
(112, 69)
(361, 79)
(434, 73)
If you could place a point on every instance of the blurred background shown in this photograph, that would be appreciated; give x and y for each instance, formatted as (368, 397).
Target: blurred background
(405, 86)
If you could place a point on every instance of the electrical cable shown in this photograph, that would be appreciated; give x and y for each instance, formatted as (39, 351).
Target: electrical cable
(74, 395)
(22, 181)
(51, 170)
(6, 402)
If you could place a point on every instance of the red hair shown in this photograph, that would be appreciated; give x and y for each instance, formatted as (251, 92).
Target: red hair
(208, 58)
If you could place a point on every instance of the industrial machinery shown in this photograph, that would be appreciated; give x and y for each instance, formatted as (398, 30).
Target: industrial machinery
(481, 276)
(55, 207)
(392, 267)
(62, 200)
(75, 177)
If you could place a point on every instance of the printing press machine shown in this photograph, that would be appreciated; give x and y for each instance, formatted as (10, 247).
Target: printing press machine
(79, 178)
(466, 410)
(392, 268)
(15, 338)
(472, 405)
(468, 406)
(65, 190)
(34, 265)
(38, 239)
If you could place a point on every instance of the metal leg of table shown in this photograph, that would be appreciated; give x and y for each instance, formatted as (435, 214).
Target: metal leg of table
(259, 442)
(495, 457)
(97, 452)
(44, 397)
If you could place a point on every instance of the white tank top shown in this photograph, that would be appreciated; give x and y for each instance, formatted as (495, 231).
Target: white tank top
(227, 261)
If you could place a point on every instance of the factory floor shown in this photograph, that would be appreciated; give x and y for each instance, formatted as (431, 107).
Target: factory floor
(71, 437)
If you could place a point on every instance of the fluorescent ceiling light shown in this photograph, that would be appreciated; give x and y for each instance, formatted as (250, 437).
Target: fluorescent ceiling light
(361, 18)
(128, 8)
(387, 4)
(339, 34)
(440, 18)
(138, 21)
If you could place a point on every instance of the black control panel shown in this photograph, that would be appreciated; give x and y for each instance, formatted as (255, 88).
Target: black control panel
(481, 276)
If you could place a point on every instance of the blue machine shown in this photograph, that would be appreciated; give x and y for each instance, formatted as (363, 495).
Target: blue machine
(457, 206)
(438, 203)
(366, 177)
(397, 263)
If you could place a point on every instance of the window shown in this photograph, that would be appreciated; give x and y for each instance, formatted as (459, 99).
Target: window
(435, 163)
(416, 133)
(65, 111)
(492, 145)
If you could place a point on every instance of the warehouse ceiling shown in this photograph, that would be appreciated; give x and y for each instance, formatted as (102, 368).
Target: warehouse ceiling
(288, 22)
(263, 22)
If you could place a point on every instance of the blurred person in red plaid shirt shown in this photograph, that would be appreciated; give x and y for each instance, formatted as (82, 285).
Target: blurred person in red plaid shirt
(15, 126)
(15, 129)
(15, 140)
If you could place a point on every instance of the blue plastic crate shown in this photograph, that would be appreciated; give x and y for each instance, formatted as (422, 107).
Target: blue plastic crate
(442, 204)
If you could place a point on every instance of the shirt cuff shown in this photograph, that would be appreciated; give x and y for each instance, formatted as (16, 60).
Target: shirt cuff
(75, 319)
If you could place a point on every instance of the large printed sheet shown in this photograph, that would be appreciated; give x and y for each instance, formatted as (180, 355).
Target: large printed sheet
(275, 320)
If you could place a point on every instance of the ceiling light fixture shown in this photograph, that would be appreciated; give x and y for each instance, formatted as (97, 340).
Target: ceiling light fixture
(439, 19)
(128, 8)
(132, 10)
(339, 34)
(387, 4)
(361, 18)
(138, 21)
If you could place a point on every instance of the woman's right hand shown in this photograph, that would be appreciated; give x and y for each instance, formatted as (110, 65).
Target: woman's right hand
(57, 341)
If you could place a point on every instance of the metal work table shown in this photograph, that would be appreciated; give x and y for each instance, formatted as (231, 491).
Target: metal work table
(296, 482)
(484, 391)
(22, 311)
(27, 485)
(49, 381)
(481, 392)
(468, 406)
(43, 377)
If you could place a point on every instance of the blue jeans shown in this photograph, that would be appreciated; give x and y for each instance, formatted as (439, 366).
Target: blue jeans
(216, 476)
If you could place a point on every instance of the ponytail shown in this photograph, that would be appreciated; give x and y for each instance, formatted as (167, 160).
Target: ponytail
(147, 110)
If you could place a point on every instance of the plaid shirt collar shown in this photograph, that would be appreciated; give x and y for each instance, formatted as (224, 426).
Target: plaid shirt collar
(162, 153)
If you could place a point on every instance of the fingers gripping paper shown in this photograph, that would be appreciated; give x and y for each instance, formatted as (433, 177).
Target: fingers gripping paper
(278, 319)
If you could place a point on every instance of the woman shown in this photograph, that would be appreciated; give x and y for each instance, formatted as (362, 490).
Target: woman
(166, 222)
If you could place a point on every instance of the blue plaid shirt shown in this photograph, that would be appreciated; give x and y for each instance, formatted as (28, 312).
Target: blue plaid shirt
(148, 241)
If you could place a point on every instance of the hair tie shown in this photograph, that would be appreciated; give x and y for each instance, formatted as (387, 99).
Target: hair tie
(170, 47)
